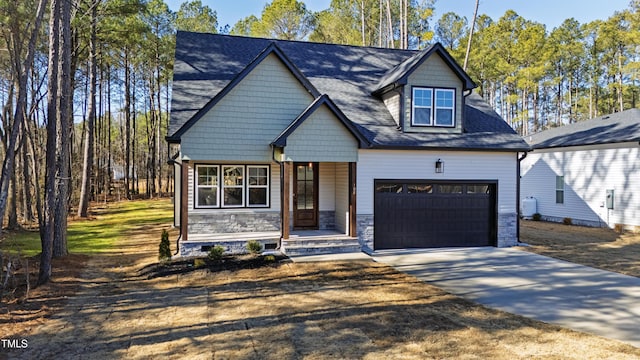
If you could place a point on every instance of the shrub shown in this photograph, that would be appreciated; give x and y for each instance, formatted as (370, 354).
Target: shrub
(165, 247)
(269, 258)
(216, 252)
(254, 247)
(567, 221)
(536, 217)
(619, 228)
(198, 263)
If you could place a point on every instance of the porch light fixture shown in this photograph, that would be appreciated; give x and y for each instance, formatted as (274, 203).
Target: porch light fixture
(439, 166)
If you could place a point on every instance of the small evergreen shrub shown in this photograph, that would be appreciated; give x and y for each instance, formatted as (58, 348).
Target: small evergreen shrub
(216, 253)
(165, 247)
(254, 247)
(536, 217)
(567, 221)
(269, 258)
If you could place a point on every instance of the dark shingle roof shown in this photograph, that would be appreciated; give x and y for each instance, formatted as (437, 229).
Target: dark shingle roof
(205, 64)
(609, 129)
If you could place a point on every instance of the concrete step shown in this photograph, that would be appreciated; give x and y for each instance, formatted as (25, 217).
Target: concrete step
(319, 246)
(319, 250)
(320, 241)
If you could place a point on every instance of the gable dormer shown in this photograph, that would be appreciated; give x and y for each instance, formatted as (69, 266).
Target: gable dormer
(425, 93)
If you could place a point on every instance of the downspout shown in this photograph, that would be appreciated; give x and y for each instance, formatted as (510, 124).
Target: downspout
(172, 161)
(518, 195)
(273, 156)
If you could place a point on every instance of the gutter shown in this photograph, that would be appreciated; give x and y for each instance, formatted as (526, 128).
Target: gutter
(273, 156)
(524, 155)
(172, 161)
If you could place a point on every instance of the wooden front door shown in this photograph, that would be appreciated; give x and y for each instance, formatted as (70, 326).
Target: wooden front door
(305, 195)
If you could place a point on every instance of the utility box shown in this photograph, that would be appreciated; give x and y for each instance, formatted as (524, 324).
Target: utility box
(609, 199)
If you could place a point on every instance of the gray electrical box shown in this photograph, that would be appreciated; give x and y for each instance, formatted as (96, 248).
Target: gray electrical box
(609, 199)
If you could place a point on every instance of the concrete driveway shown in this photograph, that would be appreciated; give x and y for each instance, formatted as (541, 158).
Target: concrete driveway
(535, 286)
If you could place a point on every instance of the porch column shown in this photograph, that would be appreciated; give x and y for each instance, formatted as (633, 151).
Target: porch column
(184, 200)
(284, 207)
(353, 231)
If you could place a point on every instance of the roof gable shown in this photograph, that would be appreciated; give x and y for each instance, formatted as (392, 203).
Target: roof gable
(272, 48)
(281, 140)
(400, 73)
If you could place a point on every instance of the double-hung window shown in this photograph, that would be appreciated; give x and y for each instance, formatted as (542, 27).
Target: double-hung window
(207, 188)
(559, 189)
(231, 186)
(258, 186)
(433, 107)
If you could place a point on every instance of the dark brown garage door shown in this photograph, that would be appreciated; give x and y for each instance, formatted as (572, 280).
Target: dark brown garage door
(426, 214)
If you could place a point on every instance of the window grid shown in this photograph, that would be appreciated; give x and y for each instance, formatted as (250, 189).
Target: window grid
(433, 107)
(207, 186)
(559, 189)
(258, 186)
(231, 186)
(422, 106)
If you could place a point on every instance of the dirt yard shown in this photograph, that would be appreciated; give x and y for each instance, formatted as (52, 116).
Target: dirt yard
(357, 310)
(596, 247)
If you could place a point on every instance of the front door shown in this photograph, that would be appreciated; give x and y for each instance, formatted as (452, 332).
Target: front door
(305, 195)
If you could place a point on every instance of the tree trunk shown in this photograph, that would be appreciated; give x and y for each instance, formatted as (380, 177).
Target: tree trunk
(471, 30)
(20, 109)
(47, 231)
(85, 189)
(127, 120)
(65, 124)
(26, 190)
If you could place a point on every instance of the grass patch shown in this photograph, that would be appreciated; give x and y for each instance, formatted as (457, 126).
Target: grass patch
(99, 233)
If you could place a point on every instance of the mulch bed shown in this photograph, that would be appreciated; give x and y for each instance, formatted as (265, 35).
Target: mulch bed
(227, 263)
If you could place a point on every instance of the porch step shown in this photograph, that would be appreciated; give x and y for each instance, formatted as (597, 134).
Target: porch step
(320, 245)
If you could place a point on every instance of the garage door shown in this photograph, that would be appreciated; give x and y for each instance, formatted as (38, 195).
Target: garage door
(426, 214)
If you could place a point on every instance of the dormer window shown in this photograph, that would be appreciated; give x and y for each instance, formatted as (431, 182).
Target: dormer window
(433, 107)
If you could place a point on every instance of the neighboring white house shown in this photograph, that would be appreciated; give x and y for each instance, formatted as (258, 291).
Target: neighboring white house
(316, 147)
(588, 171)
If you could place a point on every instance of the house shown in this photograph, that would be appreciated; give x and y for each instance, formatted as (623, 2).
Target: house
(314, 147)
(587, 171)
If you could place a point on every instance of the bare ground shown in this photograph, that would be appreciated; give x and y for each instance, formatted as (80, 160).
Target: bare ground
(357, 310)
(601, 248)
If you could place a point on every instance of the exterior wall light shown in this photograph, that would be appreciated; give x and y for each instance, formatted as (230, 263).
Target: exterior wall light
(439, 166)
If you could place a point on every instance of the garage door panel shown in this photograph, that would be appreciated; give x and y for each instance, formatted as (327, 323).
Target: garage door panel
(434, 215)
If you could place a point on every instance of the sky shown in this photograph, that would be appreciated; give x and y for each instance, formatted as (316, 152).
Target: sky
(549, 12)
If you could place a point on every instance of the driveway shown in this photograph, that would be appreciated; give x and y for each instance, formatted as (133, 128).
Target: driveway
(555, 291)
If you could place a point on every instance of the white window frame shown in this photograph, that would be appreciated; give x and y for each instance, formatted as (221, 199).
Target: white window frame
(266, 187)
(433, 108)
(199, 186)
(559, 189)
(414, 107)
(436, 107)
(223, 186)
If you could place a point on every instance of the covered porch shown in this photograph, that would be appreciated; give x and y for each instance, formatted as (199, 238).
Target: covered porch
(300, 242)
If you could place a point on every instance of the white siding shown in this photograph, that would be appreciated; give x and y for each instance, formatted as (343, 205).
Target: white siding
(243, 123)
(392, 101)
(327, 187)
(342, 197)
(587, 174)
(458, 165)
(177, 188)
